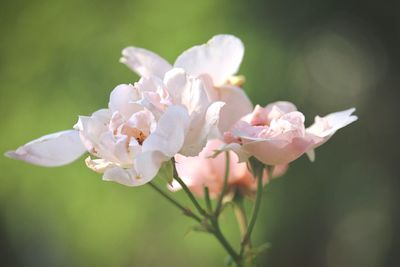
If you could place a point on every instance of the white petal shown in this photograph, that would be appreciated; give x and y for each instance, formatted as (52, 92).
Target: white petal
(123, 98)
(176, 82)
(51, 150)
(202, 129)
(170, 133)
(328, 125)
(188, 91)
(237, 106)
(91, 128)
(122, 176)
(148, 164)
(144, 62)
(220, 58)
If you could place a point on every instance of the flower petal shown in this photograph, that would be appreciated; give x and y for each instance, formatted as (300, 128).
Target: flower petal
(51, 150)
(205, 127)
(328, 125)
(170, 133)
(220, 58)
(323, 128)
(122, 176)
(122, 99)
(237, 106)
(272, 152)
(148, 164)
(144, 62)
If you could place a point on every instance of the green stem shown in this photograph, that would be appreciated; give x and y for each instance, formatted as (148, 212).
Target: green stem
(221, 238)
(225, 185)
(259, 176)
(207, 199)
(185, 210)
(187, 190)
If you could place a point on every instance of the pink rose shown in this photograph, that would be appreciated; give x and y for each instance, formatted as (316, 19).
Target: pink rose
(276, 134)
(198, 172)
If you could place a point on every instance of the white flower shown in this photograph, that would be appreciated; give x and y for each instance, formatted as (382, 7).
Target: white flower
(214, 62)
(145, 125)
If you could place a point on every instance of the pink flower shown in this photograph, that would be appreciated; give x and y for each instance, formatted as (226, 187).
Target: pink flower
(198, 172)
(276, 134)
(215, 62)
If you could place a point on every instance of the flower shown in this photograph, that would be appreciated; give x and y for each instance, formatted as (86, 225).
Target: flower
(203, 170)
(215, 62)
(276, 134)
(145, 125)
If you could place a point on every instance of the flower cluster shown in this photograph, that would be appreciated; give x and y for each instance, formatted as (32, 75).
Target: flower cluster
(186, 111)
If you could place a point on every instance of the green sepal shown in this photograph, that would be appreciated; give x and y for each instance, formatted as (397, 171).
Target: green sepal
(255, 166)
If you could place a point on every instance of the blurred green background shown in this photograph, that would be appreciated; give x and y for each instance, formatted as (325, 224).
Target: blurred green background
(59, 59)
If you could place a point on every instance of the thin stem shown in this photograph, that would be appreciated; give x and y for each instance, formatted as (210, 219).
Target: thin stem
(187, 190)
(207, 199)
(185, 210)
(213, 218)
(221, 238)
(256, 208)
(225, 185)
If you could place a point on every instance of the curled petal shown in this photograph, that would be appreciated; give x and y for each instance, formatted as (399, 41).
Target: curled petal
(220, 58)
(98, 165)
(51, 150)
(323, 128)
(328, 125)
(144, 62)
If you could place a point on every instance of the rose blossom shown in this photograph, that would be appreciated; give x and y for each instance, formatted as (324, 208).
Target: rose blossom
(276, 134)
(215, 62)
(145, 125)
(203, 170)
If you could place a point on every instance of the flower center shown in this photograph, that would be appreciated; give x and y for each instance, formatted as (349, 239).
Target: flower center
(134, 133)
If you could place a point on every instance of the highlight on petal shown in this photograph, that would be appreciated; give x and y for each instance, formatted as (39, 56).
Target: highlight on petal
(220, 58)
(144, 62)
(51, 150)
